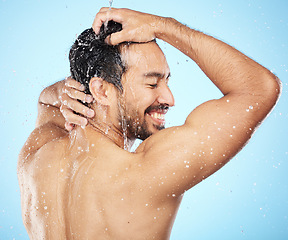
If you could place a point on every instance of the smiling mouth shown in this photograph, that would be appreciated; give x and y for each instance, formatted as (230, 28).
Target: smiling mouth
(158, 116)
(158, 113)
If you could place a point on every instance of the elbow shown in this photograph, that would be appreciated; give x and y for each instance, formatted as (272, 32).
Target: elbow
(41, 96)
(272, 90)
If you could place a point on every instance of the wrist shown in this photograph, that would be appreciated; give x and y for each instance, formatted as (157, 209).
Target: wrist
(169, 30)
(161, 27)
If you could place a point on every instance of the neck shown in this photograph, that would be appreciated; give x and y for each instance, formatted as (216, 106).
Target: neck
(117, 136)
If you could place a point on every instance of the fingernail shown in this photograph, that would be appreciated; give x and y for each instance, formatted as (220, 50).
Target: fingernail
(82, 87)
(88, 99)
(83, 123)
(90, 113)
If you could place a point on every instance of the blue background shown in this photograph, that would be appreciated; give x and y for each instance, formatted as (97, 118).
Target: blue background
(248, 198)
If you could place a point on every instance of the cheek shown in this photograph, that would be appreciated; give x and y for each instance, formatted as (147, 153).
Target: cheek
(138, 98)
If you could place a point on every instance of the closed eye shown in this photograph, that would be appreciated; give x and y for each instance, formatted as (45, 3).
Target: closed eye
(153, 85)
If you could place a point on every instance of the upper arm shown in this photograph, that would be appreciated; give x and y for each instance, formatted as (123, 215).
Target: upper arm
(213, 133)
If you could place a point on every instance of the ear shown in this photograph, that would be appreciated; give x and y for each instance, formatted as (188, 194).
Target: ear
(98, 88)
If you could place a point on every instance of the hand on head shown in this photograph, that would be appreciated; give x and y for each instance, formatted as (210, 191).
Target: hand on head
(136, 26)
(74, 112)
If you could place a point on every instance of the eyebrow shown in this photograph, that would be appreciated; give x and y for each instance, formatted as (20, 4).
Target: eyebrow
(156, 74)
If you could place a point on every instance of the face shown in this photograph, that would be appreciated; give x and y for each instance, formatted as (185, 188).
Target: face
(146, 96)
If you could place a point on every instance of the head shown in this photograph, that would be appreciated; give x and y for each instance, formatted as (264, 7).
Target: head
(91, 57)
(137, 72)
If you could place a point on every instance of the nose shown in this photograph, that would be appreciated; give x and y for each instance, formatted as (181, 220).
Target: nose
(165, 96)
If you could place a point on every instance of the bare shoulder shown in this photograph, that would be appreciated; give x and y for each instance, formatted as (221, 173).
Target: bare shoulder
(43, 143)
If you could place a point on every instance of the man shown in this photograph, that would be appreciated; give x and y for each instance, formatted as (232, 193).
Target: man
(83, 184)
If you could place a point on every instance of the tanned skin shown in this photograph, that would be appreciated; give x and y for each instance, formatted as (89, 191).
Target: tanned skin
(82, 184)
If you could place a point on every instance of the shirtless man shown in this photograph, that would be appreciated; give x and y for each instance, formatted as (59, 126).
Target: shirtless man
(83, 184)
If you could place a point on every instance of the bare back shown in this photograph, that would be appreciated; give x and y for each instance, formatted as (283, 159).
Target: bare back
(81, 185)
(80, 190)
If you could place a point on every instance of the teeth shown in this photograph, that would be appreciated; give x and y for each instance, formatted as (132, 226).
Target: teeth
(158, 116)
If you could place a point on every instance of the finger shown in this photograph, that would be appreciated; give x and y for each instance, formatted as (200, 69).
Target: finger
(105, 9)
(73, 118)
(70, 82)
(75, 94)
(77, 107)
(118, 37)
(104, 16)
(100, 18)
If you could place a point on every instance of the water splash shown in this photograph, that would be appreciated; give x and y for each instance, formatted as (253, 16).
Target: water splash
(110, 4)
(106, 22)
(124, 126)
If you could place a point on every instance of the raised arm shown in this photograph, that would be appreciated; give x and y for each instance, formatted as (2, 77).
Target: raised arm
(216, 130)
(57, 103)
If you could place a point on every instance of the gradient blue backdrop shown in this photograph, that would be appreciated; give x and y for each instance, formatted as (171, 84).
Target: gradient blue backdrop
(248, 198)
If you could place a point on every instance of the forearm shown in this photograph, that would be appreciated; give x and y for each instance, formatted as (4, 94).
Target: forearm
(230, 70)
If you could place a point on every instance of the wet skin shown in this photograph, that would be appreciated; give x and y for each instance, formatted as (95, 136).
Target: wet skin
(92, 187)
(84, 185)
(146, 97)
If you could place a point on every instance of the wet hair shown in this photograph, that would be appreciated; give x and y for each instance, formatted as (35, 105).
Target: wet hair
(91, 57)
